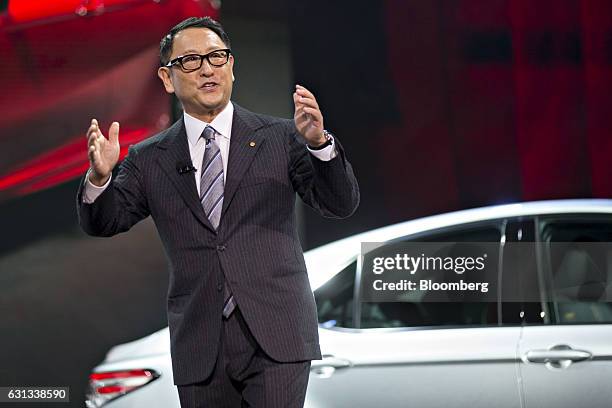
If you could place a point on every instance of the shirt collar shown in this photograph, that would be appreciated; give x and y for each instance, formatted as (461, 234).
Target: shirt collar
(222, 123)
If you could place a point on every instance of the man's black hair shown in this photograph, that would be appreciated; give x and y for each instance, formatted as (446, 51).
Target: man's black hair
(165, 45)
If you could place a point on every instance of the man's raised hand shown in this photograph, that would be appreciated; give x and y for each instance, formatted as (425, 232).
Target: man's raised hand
(103, 153)
(308, 117)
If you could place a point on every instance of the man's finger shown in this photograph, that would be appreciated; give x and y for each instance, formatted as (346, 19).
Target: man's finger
(92, 128)
(96, 145)
(302, 124)
(97, 136)
(300, 87)
(92, 138)
(94, 123)
(305, 95)
(302, 116)
(304, 92)
(90, 153)
(315, 114)
(113, 133)
(308, 102)
(296, 102)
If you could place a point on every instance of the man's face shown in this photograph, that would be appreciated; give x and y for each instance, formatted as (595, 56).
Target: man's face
(206, 91)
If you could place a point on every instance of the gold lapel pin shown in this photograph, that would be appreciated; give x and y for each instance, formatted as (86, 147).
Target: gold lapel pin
(252, 144)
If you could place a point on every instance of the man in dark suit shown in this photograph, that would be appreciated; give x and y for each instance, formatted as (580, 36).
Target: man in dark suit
(220, 185)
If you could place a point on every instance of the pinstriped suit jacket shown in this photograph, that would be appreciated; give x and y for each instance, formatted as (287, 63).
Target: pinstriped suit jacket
(256, 247)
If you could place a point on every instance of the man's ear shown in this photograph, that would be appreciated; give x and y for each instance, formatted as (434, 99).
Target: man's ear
(164, 74)
(231, 62)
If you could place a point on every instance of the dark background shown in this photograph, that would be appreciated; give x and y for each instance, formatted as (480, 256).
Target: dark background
(441, 105)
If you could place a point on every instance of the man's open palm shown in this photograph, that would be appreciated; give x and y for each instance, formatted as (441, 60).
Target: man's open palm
(103, 153)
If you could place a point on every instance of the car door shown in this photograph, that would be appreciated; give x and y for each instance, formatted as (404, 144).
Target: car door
(567, 360)
(395, 354)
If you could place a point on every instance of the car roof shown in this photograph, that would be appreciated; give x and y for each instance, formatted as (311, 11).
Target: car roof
(327, 260)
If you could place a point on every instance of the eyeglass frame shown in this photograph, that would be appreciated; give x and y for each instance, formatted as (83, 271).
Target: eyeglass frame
(202, 58)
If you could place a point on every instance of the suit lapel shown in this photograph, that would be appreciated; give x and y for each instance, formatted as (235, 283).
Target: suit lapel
(176, 151)
(245, 142)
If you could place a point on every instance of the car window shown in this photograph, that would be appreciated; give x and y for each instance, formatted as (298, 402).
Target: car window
(335, 299)
(453, 313)
(579, 268)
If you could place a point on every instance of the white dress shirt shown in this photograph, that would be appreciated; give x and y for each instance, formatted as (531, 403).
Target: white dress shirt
(222, 123)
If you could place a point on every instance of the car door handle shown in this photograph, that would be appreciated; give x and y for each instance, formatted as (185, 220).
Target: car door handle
(557, 354)
(326, 367)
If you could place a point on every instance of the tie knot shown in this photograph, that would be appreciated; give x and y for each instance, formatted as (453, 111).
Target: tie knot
(209, 133)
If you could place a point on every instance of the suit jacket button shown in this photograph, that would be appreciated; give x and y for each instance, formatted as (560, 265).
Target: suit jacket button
(220, 248)
(220, 287)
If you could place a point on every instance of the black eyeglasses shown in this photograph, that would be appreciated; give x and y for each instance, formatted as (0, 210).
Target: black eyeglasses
(192, 62)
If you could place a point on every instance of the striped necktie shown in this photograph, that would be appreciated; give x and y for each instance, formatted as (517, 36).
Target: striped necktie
(211, 196)
(211, 178)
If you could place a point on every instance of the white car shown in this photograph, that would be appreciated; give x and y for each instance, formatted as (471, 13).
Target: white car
(556, 352)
